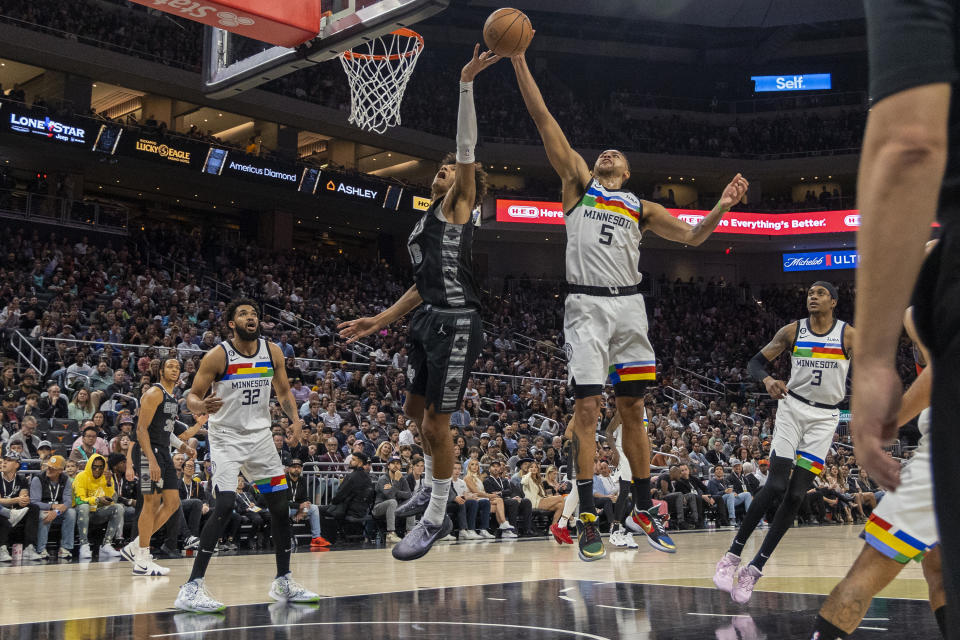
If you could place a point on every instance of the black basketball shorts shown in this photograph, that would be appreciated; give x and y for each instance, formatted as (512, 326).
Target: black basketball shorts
(443, 345)
(168, 474)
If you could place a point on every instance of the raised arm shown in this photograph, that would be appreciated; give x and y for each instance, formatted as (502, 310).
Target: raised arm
(757, 367)
(353, 330)
(659, 220)
(569, 165)
(462, 197)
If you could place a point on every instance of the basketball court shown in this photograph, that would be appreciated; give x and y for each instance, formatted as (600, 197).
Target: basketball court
(523, 589)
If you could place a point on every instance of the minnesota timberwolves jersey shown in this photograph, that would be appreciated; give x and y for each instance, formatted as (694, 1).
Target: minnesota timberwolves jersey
(603, 238)
(819, 364)
(244, 388)
(163, 421)
(442, 257)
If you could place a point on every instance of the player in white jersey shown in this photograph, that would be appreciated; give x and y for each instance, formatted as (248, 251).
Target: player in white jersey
(808, 413)
(239, 375)
(902, 528)
(605, 322)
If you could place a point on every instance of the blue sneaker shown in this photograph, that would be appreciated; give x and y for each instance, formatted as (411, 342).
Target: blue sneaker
(418, 540)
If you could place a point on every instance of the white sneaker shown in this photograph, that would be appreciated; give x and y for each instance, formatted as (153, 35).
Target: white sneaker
(192, 543)
(627, 538)
(65, 554)
(193, 596)
(469, 534)
(286, 589)
(616, 539)
(30, 553)
(85, 552)
(508, 534)
(5, 554)
(448, 538)
(506, 525)
(107, 551)
(129, 550)
(44, 555)
(486, 535)
(143, 565)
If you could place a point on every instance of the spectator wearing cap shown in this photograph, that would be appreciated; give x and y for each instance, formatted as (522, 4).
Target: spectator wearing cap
(391, 491)
(8, 414)
(52, 493)
(16, 511)
(125, 426)
(44, 451)
(762, 472)
(28, 385)
(27, 437)
(94, 496)
(301, 506)
(355, 495)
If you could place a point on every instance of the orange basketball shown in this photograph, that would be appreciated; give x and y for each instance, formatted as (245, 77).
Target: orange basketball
(507, 32)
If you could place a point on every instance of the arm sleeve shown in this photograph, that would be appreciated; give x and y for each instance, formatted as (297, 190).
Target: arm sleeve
(466, 125)
(910, 44)
(757, 367)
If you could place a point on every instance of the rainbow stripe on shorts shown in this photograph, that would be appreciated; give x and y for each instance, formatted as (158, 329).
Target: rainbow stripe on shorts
(631, 371)
(892, 542)
(270, 485)
(810, 462)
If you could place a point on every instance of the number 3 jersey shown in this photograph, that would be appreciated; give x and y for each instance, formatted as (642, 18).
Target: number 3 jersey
(244, 388)
(603, 238)
(819, 364)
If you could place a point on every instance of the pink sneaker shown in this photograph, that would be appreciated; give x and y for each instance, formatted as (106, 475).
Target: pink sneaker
(726, 568)
(746, 581)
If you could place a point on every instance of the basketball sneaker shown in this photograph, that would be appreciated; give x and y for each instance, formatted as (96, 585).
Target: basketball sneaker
(416, 504)
(589, 542)
(143, 565)
(319, 541)
(418, 540)
(561, 534)
(616, 537)
(726, 569)
(746, 581)
(648, 523)
(628, 540)
(129, 550)
(286, 589)
(193, 596)
(5, 554)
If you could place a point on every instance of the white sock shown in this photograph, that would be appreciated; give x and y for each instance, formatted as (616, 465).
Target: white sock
(427, 468)
(570, 504)
(563, 521)
(437, 508)
(140, 557)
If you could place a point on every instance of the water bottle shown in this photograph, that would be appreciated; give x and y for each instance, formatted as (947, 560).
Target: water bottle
(711, 524)
(17, 552)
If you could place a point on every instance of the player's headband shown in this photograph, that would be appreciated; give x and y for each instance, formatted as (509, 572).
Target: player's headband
(828, 286)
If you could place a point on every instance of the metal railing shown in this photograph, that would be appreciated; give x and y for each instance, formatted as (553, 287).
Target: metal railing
(717, 387)
(299, 320)
(680, 397)
(17, 204)
(26, 351)
(220, 290)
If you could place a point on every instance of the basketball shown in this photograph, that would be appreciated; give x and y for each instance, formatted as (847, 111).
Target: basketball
(507, 32)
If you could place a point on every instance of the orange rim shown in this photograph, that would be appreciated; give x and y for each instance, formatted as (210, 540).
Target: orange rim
(408, 33)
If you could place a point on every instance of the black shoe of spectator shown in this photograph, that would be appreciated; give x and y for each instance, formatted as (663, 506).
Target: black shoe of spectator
(167, 552)
(687, 526)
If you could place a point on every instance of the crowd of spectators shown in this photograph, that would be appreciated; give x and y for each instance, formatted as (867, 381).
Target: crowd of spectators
(595, 118)
(103, 313)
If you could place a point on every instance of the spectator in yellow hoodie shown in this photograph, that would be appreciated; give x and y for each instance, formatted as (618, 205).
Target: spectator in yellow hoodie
(94, 496)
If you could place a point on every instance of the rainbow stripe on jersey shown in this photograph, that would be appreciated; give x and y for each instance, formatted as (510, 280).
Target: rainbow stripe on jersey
(244, 370)
(598, 199)
(893, 542)
(630, 371)
(815, 349)
(270, 485)
(810, 462)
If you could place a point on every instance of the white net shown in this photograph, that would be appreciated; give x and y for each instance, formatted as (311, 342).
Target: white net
(378, 72)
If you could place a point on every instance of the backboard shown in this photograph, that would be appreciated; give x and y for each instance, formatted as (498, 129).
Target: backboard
(233, 63)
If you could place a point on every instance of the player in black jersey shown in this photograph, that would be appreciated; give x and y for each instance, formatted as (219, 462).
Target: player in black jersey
(158, 477)
(445, 333)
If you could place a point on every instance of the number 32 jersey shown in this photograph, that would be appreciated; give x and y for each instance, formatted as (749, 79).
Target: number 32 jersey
(819, 364)
(244, 388)
(603, 238)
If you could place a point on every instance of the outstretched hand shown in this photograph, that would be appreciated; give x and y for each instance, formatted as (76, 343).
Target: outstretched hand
(478, 63)
(353, 330)
(733, 192)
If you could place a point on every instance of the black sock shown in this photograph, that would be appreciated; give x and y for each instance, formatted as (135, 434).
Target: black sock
(585, 491)
(280, 529)
(823, 630)
(641, 493)
(623, 503)
(760, 560)
(736, 547)
(941, 615)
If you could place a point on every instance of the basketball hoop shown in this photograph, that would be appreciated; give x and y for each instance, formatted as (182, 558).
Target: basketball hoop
(378, 72)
